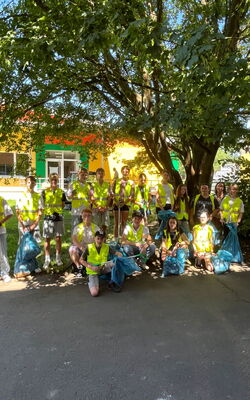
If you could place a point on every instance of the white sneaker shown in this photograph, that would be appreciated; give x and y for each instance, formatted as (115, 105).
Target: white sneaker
(6, 278)
(46, 264)
(38, 270)
(58, 261)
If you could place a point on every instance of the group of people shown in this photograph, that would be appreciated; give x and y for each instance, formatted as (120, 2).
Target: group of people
(91, 205)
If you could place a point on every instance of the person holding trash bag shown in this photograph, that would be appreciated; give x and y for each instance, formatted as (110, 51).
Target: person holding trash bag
(5, 214)
(136, 239)
(29, 210)
(174, 248)
(203, 242)
(95, 259)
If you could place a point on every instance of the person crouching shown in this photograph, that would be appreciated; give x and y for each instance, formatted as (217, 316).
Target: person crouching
(95, 259)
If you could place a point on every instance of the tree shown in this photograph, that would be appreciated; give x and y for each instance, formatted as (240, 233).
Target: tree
(171, 76)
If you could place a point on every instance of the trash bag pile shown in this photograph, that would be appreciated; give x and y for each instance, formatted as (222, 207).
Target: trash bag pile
(175, 265)
(232, 245)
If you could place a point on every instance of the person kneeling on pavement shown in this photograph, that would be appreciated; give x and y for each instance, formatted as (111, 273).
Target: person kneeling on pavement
(95, 259)
(136, 239)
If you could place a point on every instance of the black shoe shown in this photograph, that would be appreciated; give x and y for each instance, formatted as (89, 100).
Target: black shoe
(113, 286)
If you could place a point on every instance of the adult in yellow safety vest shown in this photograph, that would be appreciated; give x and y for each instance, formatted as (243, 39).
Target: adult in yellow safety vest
(79, 192)
(142, 197)
(53, 199)
(203, 242)
(5, 214)
(164, 193)
(232, 207)
(173, 239)
(204, 201)
(136, 238)
(95, 259)
(123, 194)
(181, 208)
(83, 234)
(29, 210)
(101, 195)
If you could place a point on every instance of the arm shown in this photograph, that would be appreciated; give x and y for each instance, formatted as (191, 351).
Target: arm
(2, 221)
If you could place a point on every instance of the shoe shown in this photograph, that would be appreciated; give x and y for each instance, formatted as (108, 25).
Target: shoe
(38, 270)
(6, 278)
(46, 264)
(113, 286)
(59, 262)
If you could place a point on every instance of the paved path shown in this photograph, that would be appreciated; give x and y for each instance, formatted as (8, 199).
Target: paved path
(180, 338)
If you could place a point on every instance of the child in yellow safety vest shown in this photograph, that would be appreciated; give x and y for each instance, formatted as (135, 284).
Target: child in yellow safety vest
(53, 203)
(173, 239)
(203, 242)
(164, 194)
(101, 194)
(95, 259)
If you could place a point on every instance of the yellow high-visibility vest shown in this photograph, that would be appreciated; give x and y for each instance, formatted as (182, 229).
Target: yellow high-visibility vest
(29, 206)
(81, 228)
(101, 194)
(182, 213)
(197, 198)
(53, 201)
(231, 212)
(135, 236)
(97, 258)
(162, 195)
(81, 197)
(203, 238)
(127, 192)
(2, 209)
(138, 196)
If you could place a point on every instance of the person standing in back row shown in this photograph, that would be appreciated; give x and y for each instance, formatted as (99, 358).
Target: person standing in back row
(53, 203)
(165, 193)
(79, 192)
(101, 194)
(5, 214)
(203, 202)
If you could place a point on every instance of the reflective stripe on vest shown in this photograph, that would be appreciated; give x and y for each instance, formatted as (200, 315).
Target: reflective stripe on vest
(29, 206)
(139, 198)
(231, 212)
(81, 198)
(1, 209)
(182, 213)
(162, 195)
(81, 229)
(101, 194)
(168, 240)
(197, 198)
(53, 201)
(97, 258)
(127, 192)
(203, 236)
(135, 236)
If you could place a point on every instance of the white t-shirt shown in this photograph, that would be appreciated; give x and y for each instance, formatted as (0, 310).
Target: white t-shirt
(128, 228)
(168, 192)
(7, 211)
(88, 234)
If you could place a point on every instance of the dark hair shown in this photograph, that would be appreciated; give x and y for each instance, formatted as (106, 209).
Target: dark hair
(219, 183)
(137, 214)
(178, 198)
(31, 177)
(142, 175)
(100, 234)
(99, 170)
(82, 169)
(167, 227)
(125, 166)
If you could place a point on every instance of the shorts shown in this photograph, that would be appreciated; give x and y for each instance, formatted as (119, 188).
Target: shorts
(101, 218)
(123, 208)
(52, 229)
(75, 250)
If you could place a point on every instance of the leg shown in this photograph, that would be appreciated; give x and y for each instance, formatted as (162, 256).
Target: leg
(124, 218)
(4, 264)
(208, 264)
(58, 245)
(94, 285)
(47, 247)
(75, 255)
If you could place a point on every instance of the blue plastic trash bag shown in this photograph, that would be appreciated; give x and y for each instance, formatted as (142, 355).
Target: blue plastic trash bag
(221, 262)
(175, 265)
(216, 235)
(163, 215)
(26, 255)
(123, 266)
(232, 244)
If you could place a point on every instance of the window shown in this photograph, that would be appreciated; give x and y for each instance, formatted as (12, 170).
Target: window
(6, 164)
(13, 164)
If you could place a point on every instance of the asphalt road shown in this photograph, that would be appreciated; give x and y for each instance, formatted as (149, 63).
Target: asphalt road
(180, 338)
